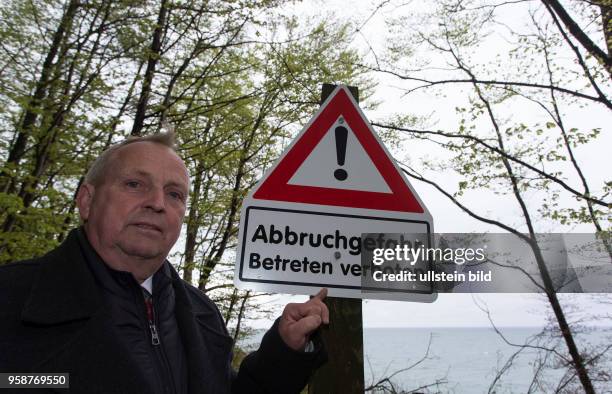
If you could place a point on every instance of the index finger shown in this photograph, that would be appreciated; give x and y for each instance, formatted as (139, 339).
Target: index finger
(321, 294)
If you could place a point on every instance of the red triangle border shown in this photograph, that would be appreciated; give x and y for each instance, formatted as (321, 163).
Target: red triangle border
(276, 187)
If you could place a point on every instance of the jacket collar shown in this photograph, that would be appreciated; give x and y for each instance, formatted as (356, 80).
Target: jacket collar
(64, 290)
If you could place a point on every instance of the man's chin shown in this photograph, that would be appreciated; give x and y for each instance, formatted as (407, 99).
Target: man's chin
(144, 254)
(145, 249)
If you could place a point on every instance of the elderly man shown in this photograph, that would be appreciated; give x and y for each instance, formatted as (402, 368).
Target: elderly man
(107, 307)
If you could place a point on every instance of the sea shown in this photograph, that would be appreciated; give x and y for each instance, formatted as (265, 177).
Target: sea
(467, 359)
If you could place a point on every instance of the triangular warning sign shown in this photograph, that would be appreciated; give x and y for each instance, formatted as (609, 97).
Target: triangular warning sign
(338, 160)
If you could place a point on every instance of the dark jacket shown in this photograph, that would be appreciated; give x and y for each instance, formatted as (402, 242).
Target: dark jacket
(52, 319)
(148, 328)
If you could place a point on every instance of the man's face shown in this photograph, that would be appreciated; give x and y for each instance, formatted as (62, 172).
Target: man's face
(136, 212)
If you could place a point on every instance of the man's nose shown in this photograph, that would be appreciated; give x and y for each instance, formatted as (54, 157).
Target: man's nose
(156, 200)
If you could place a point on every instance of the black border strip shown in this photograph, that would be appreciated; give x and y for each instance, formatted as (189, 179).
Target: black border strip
(334, 286)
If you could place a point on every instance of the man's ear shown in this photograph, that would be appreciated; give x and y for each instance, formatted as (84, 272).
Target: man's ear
(84, 198)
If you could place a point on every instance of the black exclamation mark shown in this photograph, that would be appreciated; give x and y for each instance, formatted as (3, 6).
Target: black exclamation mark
(341, 134)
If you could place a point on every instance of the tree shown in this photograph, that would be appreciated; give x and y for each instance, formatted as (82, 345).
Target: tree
(52, 112)
(233, 79)
(532, 162)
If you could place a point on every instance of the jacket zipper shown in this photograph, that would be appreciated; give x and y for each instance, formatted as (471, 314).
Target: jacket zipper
(155, 341)
(152, 327)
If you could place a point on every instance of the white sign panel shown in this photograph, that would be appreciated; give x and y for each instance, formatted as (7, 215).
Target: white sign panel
(302, 224)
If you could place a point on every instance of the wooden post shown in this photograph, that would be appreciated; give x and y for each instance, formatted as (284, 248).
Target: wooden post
(343, 338)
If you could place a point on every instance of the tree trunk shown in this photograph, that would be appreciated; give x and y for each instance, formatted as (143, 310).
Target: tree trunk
(31, 114)
(63, 105)
(604, 58)
(549, 287)
(240, 315)
(245, 156)
(606, 21)
(153, 57)
(193, 225)
(605, 6)
(230, 309)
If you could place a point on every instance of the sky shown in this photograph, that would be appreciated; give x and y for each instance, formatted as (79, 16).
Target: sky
(459, 310)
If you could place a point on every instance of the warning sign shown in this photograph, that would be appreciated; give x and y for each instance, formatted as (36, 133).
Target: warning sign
(302, 224)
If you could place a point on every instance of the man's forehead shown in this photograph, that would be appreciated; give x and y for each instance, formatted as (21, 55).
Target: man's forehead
(150, 159)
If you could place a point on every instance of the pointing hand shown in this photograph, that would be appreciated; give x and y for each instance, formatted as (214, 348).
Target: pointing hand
(300, 320)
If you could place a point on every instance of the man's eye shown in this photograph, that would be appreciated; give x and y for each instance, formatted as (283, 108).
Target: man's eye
(132, 184)
(176, 195)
